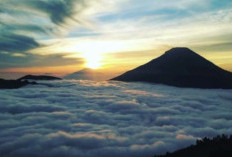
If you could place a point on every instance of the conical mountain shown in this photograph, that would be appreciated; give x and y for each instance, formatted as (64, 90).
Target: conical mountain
(180, 67)
(85, 74)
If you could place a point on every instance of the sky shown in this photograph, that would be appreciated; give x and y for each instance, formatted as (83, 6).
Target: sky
(62, 36)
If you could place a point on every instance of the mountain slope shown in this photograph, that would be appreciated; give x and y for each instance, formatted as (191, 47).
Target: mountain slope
(84, 74)
(180, 67)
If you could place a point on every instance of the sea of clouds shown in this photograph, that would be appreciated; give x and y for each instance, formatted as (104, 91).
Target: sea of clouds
(108, 119)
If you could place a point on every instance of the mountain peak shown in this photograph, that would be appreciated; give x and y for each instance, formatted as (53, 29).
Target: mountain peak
(85, 70)
(85, 74)
(179, 51)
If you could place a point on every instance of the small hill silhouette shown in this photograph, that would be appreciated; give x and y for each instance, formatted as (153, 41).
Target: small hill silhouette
(220, 146)
(180, 67)
(39, 77)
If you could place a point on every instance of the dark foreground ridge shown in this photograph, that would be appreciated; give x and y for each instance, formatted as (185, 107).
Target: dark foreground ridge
(13, 84)
(180, 67)
(39, 77)
(220, 146)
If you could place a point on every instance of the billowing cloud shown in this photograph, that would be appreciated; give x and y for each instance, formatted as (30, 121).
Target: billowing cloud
(41, 11)
(25, 23)
(58, 10)
(114, 119)
(16, 43)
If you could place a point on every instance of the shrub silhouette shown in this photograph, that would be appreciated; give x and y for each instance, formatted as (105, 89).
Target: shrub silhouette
(219, 146)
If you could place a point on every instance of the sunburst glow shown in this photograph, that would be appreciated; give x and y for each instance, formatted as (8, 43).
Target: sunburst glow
(93, 60)
(93, 64)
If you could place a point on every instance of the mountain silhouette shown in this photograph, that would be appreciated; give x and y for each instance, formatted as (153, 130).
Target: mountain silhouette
(39, 77)
(180, 67)
(86, 74)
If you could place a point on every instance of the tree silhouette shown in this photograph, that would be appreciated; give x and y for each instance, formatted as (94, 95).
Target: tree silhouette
(219, 146)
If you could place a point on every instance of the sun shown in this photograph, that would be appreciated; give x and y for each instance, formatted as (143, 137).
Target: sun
(93, 60)
(93, 64)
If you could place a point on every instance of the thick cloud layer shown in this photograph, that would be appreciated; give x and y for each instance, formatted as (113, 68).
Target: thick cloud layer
(108, 119)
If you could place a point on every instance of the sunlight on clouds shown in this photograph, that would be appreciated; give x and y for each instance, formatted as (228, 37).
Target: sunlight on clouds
(55, 70)
(91, 49)
(18, 55)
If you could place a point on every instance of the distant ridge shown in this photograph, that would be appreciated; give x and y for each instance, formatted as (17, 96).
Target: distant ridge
(39, 77)
(84, 74)
(180, 67)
